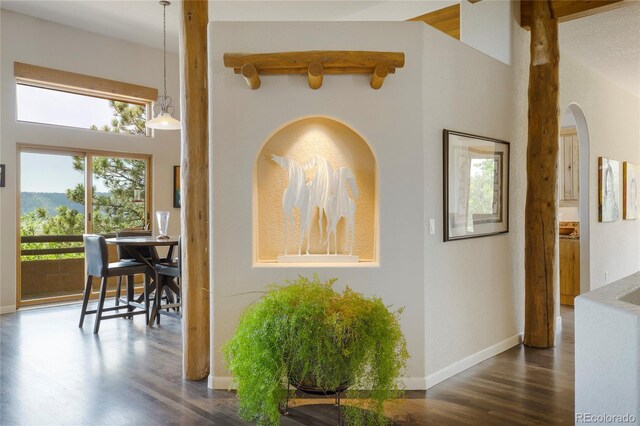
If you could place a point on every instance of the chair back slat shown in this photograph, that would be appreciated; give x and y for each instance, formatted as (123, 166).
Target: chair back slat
(144, 251)
(96, 256)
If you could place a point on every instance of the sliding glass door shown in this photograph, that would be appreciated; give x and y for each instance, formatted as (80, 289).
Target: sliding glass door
(64, 194)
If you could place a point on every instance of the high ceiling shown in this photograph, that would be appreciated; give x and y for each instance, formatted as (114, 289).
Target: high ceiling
(607, 42)
(140, 21)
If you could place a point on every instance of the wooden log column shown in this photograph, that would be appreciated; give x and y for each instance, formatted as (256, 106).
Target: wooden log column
(194, 187)
(541, 240)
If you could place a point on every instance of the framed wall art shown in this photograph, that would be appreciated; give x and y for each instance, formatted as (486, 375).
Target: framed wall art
(476, 186)
(176, 186)
(630, 195)
(608, 190)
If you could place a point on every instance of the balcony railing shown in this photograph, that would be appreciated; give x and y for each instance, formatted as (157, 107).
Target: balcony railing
(48, 239)
(53, 273)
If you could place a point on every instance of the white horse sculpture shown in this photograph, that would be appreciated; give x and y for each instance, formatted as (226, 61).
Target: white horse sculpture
(296, 195)
(321, 189)
(342, 205)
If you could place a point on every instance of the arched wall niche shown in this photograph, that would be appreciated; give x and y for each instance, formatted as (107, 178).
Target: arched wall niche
(301, 139)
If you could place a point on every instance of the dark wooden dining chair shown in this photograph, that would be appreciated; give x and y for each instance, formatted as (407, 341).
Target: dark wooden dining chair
(98, 266)
(148, 253)
(169, 283)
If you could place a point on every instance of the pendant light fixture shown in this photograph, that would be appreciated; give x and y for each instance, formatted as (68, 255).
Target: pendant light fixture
(163, 109)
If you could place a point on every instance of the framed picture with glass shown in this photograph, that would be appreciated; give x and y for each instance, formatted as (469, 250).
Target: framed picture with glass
(176, 187)
(630, 194)
(476, 186)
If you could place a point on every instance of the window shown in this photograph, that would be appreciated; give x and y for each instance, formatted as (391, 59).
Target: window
(63, 98)
(47, 106)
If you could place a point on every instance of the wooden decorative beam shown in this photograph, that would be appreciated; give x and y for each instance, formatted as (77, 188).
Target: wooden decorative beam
(50, 78)
(194, 214)
(314, 64)
(446, 20)
(568, 10)
(541, 226)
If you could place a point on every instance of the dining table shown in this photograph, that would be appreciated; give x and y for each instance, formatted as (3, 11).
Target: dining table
(137, 247)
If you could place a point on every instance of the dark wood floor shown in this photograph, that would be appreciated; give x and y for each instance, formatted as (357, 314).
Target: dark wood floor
(53, 373)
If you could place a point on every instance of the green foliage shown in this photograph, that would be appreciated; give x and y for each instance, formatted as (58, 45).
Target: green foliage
(112, 210)
(306, 332)
(66, 222)
(127, 118)
(115, 209)
(38, 222)
(481, 186)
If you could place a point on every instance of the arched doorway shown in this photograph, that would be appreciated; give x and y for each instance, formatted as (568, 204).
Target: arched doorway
(574, 118)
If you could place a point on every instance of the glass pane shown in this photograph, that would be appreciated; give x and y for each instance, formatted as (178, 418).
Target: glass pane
(48, 106)
(119, 194)
(51, 224)
(482, 186)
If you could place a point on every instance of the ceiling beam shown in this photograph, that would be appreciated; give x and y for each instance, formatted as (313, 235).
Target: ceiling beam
(446, 20)
(568, 10)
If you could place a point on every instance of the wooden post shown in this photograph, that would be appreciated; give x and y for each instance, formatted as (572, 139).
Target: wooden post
(314, 75)
(541, 239)
(194, 214)
(250, 74)
(379, 74)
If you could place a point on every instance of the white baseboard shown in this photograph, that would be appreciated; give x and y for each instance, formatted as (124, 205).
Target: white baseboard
(221, 382)
(7, 309)
(226, 383)
(471, 360)
(414, 383)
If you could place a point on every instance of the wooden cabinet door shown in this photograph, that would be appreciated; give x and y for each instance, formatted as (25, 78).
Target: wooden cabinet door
(569, 270)
(570, 164)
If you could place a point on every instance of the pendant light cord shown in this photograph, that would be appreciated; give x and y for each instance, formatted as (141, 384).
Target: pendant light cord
(164, 46)
(163, 109)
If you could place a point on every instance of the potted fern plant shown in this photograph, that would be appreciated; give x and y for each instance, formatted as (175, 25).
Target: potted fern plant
(307, 335)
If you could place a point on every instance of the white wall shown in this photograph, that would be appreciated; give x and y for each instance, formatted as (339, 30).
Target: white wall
(607, 352)
(388, 119)
(459, 297)
(614, 132)
(569, 214)
(472, 300)
(38, 42)
(9, 307)
(486, 26)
